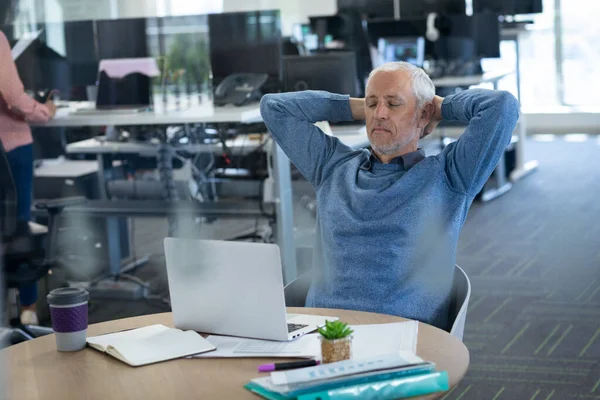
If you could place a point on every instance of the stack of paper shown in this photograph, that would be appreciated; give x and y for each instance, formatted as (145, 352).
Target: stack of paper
(367, 341)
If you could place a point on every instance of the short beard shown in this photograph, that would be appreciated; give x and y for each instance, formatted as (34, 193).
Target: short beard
(393, 148)
(389, 149)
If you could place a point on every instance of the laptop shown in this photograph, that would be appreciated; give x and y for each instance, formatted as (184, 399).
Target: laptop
(231, 288)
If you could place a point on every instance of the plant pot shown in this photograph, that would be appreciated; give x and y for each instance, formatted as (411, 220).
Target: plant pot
(336, 350)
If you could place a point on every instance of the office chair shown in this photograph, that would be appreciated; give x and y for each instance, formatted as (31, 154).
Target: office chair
(297, 290)
(25, 257)
(459, 302)
(357, 39)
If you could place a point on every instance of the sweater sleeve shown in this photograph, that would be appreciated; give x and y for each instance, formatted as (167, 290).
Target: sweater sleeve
(291, 118)
(491, 116)
(12, 91)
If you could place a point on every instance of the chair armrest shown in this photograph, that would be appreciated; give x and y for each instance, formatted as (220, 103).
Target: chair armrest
(57, 205)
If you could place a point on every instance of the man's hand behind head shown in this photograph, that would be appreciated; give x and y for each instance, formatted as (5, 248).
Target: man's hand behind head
(436, 118)
(357, 106)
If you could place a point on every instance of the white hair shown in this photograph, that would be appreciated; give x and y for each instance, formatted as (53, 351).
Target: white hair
(422, 86)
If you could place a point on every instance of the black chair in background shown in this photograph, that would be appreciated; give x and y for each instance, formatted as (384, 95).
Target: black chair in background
(27, 254)
(292, 48)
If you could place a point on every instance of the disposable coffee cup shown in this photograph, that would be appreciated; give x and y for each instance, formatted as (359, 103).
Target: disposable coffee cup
(69, 314)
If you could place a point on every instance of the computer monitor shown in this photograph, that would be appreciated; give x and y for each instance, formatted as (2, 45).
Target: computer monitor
(64, 57)
(331, 26)
(246, 42)
(332, 72)
(389, 27)
(121, 38)
(421, 8)
(81, 47)
(508, 7)
(408, 49)
(459, 49)
(486, 33)
(369, 8)
(482, 29)
(347, 27)
(43, 66)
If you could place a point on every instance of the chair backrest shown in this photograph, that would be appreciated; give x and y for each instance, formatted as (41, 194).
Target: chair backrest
(8, 197)
(297, 290)
(290, 47)
(459, 302)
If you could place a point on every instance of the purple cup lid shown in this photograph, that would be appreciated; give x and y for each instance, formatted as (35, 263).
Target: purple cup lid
(67, 296)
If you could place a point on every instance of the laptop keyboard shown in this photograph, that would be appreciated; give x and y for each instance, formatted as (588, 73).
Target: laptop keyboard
(295, 327)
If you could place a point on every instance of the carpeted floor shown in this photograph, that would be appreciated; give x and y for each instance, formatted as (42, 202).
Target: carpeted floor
(533, 257)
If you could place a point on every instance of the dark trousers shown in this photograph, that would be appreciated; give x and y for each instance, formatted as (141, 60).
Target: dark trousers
(21, 167)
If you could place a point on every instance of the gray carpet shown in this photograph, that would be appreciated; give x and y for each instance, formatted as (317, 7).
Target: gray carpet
(533, 256)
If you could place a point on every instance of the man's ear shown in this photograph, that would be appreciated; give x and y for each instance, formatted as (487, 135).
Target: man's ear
(426, 114)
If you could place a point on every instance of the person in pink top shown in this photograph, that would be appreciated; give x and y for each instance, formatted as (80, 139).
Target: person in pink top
(17, 110)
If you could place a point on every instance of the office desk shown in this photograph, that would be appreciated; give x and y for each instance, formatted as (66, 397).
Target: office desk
(488, 77)
(240, 145)
(84, 114)
(37, 371)
(523, 168)
(207, 113)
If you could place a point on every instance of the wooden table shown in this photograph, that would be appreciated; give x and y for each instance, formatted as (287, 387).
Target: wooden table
(37, 371)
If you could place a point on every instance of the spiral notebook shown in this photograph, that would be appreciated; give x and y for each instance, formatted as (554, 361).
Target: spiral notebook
(150, 344)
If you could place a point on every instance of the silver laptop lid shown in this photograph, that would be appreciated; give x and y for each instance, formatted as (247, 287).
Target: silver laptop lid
(228, 288)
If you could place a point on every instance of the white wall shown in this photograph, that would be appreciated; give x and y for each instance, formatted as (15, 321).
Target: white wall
(71, 10)
(136, 8)
(65, 10)
(83, 9)
(292, 11)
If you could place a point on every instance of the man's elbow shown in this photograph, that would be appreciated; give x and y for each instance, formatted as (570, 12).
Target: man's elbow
(510, 107)
(269, 105)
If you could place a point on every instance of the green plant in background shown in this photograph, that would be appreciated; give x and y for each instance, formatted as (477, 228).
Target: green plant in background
(191, 55)
(335, 330)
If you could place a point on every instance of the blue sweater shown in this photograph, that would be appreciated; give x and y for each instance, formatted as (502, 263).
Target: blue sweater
(387, 233)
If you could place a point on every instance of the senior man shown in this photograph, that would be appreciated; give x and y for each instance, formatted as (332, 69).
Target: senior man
(389, 218)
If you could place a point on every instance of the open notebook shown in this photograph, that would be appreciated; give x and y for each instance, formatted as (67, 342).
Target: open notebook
(151, 344)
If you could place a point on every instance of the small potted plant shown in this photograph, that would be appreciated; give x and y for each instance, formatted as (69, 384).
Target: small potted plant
(336, 342)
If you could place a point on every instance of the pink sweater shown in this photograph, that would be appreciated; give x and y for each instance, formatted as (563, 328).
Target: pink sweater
(16, 107)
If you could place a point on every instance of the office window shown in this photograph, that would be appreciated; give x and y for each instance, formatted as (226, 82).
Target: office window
(539, 79)
(580, 52)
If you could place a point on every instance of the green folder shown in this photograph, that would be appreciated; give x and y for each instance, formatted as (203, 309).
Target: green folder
(395, 388)
(416, 385)
(267, 394)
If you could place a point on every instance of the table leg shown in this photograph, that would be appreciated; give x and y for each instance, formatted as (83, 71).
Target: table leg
(285, 213)
(113, 233)
(114, 230)
(164, 162)
(518, 68)
(522, 168)
(502, 186)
